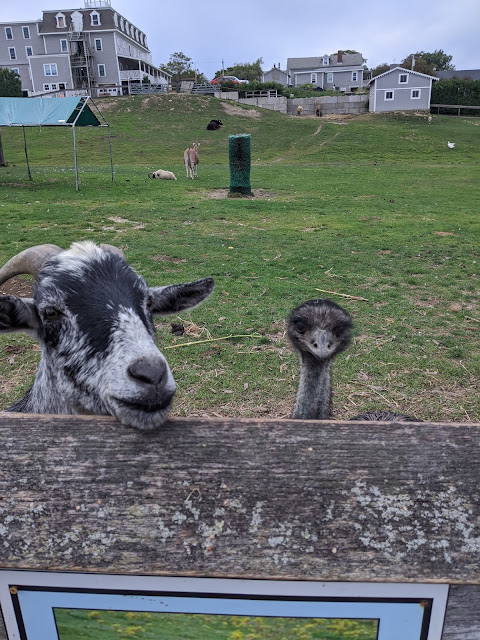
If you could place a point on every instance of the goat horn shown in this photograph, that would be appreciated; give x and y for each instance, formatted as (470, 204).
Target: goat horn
(30, 261)
(112, 249)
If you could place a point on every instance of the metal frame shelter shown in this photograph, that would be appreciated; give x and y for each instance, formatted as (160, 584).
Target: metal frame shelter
(53, 112)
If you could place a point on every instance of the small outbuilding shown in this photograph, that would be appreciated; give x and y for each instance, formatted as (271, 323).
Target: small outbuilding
(400, 90)
(275, 74)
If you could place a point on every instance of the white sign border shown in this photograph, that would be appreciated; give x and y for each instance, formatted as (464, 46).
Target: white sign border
(120, 583)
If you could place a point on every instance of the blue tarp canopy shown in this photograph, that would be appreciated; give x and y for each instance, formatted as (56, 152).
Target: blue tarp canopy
(52, 112)
(43, 112)
(36, 112)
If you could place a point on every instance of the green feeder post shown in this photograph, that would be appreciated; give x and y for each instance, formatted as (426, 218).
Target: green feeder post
(240, 161)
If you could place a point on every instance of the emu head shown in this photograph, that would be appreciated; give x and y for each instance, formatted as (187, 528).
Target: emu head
(319, 328)
(93, 316)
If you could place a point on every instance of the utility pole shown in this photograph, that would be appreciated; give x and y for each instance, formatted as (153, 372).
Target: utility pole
(223, 68)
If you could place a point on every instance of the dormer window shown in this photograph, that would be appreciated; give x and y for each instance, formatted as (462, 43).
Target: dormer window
(326, 60)
(95, 19)
(61, 23)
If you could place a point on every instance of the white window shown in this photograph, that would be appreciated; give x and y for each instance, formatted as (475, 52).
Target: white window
(95, 19)
(98, 44)
(53, 87)
(329, 78)
(416, 94)
(325, 60)
(15, 70)
(8, 33)
(403, 78)
(388, 95)
(63, 46)
(11, 53)
(46, 87)
(354, 76)
(50, 69)
(101, 71)
(26, 33)
(60, 18)
(29, 51)
(313, 78)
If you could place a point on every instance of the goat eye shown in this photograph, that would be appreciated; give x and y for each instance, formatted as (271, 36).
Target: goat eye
(149, 303)
(50, 313)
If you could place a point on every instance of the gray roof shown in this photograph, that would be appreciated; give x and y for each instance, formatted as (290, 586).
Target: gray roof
(473, 74)
(316, 62)
(416, 73)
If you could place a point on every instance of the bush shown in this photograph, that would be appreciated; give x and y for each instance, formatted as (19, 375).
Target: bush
(461, 91)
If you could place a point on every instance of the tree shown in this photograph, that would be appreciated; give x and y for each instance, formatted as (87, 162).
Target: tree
(10, 84)
(179, 66)
(251, 71)
(10, 87)
(381, 68)
(426, 62)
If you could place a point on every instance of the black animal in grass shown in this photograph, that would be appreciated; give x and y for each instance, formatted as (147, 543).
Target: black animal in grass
(214, 125)
(319, 330)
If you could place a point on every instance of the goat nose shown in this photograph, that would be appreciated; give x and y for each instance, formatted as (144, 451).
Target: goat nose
(149, 372)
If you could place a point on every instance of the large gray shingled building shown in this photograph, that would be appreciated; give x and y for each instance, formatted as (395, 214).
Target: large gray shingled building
(90, 50)
(343, 71)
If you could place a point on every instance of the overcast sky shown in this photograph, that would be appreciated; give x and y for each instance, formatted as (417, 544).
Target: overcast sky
(211, 30)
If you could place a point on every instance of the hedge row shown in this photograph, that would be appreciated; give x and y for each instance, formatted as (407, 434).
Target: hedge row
(456, 91)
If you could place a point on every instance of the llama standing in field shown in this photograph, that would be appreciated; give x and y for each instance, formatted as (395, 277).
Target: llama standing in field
(190, 157)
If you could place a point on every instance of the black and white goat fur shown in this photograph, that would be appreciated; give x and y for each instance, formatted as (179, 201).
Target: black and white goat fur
(93, 317)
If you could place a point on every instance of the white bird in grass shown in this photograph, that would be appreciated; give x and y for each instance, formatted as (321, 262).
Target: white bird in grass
(451, 145)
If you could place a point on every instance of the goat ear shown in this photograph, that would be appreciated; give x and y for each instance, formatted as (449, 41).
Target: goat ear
(179, 297)
(17, 314)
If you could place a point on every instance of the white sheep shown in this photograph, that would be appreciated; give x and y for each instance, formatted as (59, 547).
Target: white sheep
(160, 174)
(299, 110)
(429, 119)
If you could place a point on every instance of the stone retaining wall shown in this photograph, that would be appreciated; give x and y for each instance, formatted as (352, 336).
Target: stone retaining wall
(353, 104)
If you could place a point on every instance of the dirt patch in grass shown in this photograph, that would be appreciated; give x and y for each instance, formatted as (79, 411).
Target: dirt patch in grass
(17, 287)
(164, 258)
(235, 110)
(219, 194)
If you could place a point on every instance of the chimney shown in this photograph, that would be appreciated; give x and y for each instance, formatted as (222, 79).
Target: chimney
(339, 56)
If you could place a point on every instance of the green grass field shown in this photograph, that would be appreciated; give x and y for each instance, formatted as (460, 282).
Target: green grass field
(119, 625)
(376, 207)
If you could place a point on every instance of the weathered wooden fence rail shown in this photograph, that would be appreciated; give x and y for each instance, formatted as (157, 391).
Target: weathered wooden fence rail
(327, 501)
(459, 107)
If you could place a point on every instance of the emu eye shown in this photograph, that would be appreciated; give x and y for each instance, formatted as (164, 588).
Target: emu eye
(50, 313)
(301, 326)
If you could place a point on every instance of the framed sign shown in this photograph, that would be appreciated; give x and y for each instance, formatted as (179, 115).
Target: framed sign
(73, 606)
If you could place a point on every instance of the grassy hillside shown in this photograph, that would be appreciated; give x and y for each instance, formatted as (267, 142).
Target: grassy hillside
(376, 207)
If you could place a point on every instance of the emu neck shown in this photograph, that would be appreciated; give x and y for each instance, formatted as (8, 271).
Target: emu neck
(313, 401)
